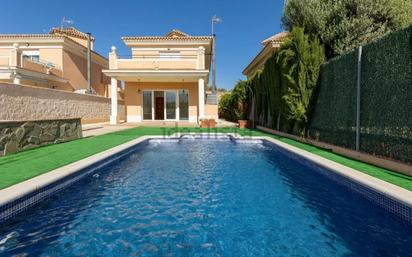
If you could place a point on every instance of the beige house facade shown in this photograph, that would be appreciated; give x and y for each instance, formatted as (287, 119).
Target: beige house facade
(57, 60)
(270, 46)
(164, 79)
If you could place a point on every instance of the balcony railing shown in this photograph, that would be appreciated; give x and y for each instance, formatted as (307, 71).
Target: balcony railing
(41, 66)
(158, 63)
(193, 59)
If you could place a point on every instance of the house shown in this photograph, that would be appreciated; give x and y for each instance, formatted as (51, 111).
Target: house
(56, 60)
(164, 78)
(270, 45)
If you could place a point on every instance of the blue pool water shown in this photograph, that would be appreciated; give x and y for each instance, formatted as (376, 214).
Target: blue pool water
(206, 198)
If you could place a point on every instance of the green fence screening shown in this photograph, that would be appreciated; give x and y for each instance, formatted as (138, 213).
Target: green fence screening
(386, 99)
(334, 120)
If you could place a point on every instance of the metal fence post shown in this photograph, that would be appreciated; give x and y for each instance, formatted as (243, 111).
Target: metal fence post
(358, 98)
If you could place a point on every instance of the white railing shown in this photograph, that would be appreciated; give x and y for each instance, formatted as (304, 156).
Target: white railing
(157, 64)
(5, 62)
(191, 59)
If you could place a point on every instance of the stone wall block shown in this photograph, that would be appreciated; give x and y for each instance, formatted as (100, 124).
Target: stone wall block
(10, 147)
(20, 135)
(20, 132)
(33, 140)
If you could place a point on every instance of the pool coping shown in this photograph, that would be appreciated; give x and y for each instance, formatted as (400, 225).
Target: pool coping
(390, 190)
(23, 189)
(19, 190)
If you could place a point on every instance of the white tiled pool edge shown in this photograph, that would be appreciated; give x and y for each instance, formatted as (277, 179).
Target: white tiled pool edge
(19, 190)
(390, 190)
(22, 189)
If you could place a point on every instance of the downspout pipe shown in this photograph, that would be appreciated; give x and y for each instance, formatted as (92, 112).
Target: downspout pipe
(358, 99)
(89, 67)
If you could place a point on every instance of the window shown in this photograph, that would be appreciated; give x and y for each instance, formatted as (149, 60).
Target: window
(33, 56)
(169, 55)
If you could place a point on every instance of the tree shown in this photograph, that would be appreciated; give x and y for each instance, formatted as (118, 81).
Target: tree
(346, 24)
(301, 56)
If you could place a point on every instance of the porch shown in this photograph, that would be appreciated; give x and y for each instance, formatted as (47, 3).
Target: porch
(164, 79)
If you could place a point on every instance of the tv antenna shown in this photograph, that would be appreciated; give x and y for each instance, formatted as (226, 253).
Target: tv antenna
(65, 22)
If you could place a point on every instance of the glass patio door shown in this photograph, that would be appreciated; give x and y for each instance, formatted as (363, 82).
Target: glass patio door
(147, 105)
(183, 105)
(171, 105)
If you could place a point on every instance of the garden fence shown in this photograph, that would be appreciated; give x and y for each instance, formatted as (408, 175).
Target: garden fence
(385, 99)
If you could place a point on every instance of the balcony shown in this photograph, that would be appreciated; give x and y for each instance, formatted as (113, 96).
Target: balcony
(182, 60)
(40, 66)
(157, 64)
(17, 67)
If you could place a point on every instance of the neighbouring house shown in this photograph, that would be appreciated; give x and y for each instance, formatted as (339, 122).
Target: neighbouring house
(164, 78)
(56, 60)
(270, 45)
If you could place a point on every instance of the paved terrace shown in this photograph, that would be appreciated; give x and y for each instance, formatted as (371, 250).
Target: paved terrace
(22, 166)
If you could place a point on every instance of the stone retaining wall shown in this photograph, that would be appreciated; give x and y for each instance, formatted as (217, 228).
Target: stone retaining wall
(19, 102)
(21, 135)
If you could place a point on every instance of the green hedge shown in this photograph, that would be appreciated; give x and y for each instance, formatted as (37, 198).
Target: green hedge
(284, 87)
(269, 86)
(386, 99)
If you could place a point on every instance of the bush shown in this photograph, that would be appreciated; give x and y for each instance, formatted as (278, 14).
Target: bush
(233, 105)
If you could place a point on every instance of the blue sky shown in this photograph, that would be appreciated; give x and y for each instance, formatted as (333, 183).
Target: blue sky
(245, 24)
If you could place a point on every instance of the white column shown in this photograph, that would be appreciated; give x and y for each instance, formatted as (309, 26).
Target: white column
(13, 55)
(201, 83)
(200, 63)
(113, 59)
(113, 91)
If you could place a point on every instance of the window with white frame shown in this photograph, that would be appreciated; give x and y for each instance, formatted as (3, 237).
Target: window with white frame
(33, 56)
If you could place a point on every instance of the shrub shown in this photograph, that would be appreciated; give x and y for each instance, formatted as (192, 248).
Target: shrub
(233, 105)
(285, 86)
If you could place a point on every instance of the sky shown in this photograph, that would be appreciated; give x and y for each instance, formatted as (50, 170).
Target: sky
(245, 24)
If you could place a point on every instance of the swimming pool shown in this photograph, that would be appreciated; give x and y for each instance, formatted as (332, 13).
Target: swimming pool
(207, 198)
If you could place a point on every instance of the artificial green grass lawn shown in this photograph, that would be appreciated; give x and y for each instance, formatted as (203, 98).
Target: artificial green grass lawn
(21, 166)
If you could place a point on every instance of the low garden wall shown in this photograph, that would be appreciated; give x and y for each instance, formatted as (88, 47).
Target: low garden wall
(19, 102)
(22, 135)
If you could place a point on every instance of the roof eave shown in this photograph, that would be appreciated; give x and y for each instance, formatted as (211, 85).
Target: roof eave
(268, 48)
(131, 39)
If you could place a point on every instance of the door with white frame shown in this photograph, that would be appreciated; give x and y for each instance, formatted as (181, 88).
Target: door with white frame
(175, 105)
(148, 110)
(171, 107)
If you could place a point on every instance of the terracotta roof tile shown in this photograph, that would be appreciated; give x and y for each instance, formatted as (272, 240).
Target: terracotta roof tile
(71, 31)
(29, 35)
(175, 34)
